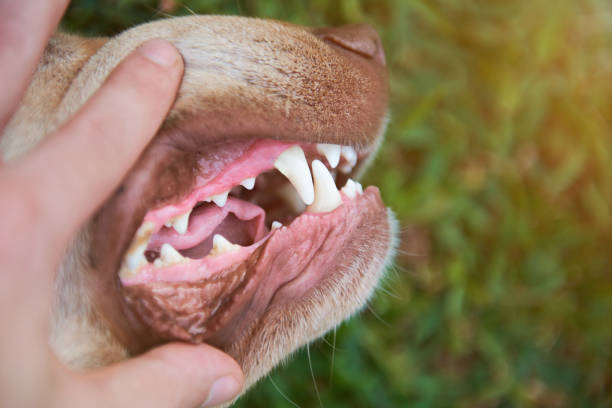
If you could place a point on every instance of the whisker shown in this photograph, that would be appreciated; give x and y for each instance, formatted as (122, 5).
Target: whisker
(388, 293)
(283, 394)
(331, 368)
(189, 10)
(376, 315)
(314, 383)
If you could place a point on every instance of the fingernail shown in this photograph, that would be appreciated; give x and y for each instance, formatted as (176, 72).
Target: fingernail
(160, 52)
(223, 390)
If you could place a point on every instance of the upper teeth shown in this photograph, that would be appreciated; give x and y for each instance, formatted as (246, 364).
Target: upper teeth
(248, 183)
(331, 153)
(350, 155)
(221, 245)
(220, 199)
(327, 197)
(180, 222)
(293, 165)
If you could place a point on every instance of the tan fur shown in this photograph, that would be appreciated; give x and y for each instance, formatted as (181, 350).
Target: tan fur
(268, 71)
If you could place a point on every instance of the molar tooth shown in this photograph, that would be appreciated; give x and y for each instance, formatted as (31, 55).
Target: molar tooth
(276, 224)
(169, 255)
(135, 258)
(331, 153)
(293, 165)
(220, 199)
(222, 245)
(327, 197)
(181, 222)
(350, 189)
(248, 183)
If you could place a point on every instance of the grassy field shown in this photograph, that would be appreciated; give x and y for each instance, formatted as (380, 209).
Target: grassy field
(498, 163)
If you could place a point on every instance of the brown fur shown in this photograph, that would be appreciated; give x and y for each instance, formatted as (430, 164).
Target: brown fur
(244, 78)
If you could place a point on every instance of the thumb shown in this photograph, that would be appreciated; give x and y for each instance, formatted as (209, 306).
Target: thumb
(174, 375)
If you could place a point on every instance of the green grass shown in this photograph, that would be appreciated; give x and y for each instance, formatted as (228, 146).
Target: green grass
(498, 163)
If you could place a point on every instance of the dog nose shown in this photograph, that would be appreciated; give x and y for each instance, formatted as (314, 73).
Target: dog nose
(361, 39)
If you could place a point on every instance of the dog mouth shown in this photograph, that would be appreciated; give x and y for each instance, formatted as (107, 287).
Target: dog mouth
(244, 202)
(260, 228)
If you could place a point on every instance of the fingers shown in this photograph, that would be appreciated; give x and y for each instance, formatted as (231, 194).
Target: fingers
(72, 171)
(25, 27)
(175, 375)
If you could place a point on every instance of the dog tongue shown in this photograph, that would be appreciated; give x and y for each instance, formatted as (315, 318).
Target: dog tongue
(239, 221)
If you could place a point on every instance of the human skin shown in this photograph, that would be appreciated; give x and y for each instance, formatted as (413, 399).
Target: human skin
(46, 195)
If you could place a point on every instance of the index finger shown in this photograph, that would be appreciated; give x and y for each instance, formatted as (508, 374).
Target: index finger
(21, 47)
(73, 170)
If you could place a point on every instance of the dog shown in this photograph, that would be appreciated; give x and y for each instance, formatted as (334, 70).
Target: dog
(241, 224)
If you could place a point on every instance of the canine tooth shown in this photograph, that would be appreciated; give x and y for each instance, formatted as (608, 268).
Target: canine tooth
(276, 224)
(350, 188)
(327, 197)
(331, 153)
(181, 222)
(220, 199)
(169, 255)
(293, 165)
(288, 194)
(248, 183)
(222, 245)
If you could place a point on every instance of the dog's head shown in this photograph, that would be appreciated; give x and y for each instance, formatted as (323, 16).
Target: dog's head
(170, 256)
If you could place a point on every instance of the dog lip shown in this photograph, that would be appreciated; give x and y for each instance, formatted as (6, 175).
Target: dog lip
(270, 275)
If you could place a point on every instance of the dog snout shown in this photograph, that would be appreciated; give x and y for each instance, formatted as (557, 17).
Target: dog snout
(361, 39)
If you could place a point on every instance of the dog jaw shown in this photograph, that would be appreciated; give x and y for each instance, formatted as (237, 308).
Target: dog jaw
(244, 78)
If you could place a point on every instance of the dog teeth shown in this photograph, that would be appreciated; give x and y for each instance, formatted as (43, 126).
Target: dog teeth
(169, 255)
(248, 183)
(352, 188)
(331, 153)
(221, 246)
(219, 199)
(293, 165)
(350, 155)
(276, 225)
(135, 258)
(180, 222)
(327, 197)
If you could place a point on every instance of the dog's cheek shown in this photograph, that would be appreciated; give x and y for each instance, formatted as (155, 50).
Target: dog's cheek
(80, 337)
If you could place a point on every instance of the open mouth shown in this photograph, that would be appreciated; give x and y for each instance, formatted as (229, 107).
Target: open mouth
(264, 227)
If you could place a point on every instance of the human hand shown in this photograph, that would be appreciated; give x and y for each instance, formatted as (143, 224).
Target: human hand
(48, 194)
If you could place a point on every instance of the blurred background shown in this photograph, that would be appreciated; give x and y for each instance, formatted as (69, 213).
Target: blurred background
(498, 164)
